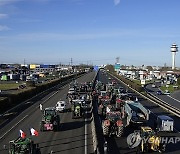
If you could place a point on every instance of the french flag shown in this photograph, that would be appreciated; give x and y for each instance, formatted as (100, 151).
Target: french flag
(22, 134)
(34, 132)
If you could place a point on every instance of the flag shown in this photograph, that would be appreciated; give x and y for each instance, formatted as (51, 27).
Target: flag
(22, 134)
(34, 132)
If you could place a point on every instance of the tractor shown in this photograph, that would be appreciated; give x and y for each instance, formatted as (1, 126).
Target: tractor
(23, 146)
(150, 141)
(76, 108)
(50, 119)
(102, 106)
(113, 124)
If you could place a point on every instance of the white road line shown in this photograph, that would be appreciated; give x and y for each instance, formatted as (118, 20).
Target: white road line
(26, 116)
(174, 99)
(85, 138)
(48, 98)
(13, 127)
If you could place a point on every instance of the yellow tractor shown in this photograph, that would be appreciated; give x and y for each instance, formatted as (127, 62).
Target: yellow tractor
(150, 141)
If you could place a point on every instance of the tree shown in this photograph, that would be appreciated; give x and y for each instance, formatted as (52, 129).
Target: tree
(110, 68)
(149, 68)
(178, 81)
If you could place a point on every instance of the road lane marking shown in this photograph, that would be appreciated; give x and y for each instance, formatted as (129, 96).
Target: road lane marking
(174, 99)
(48, 98)
(26, 116)
(13, 127)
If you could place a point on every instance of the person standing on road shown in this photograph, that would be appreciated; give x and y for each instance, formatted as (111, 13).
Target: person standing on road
(40, 107)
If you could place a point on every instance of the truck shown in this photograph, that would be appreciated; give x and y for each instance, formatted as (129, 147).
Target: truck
(50, 120)
(164, 123)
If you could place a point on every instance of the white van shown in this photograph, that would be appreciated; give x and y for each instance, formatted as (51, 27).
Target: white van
(62, 106)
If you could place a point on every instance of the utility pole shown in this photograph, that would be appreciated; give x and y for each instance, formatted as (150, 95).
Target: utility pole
(71, 61)
(24, 61)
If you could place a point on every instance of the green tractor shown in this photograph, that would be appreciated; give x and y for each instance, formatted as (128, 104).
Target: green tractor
(50, 120)
(76, 108)
(23, 146)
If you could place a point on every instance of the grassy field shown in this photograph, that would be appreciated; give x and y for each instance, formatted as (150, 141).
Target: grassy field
(139, 82)
(171, 89)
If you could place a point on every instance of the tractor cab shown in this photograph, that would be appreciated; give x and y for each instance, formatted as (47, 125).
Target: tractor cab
(23, 146)
(50, 119)
(76, 108)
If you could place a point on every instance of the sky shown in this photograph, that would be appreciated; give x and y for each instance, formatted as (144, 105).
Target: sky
(139, 32)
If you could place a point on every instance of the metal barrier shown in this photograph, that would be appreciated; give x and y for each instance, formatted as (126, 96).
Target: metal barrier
(93, 128)
(155, 100)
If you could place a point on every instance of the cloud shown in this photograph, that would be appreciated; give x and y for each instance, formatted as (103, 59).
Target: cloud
(4, 28)
(2, 16)
(6, 2)
(116, 2)
(28, 20)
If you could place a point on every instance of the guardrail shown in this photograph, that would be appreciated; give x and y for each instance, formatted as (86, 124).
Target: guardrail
(93, 128)
(154, 100)
(164, 104)
(10, 111)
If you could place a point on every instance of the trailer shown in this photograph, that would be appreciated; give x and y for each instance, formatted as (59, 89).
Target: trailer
(136, 112)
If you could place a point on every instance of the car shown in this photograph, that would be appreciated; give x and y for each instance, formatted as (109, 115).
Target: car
(62, 106)
(158, 92)
(153, 86)
(166, 92)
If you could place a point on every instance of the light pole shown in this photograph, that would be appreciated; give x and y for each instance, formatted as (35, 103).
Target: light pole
(174, 49)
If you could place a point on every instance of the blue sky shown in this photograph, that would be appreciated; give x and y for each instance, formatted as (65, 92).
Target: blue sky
(89, 31)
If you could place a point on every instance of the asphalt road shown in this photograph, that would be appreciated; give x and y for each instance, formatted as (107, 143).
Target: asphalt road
(75, 135)
(119, 145)
(173, 99)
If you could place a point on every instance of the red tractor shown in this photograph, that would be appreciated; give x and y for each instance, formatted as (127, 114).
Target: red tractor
(113, 124)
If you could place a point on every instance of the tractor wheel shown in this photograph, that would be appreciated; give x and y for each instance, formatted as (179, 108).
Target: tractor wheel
(138, 151)
(162, 148)
(105, 129)
(55, 125)
(119, 131)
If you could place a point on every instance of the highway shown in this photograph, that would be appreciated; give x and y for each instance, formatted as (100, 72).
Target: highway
(174, 101)
(75, 135)
(119, 145)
